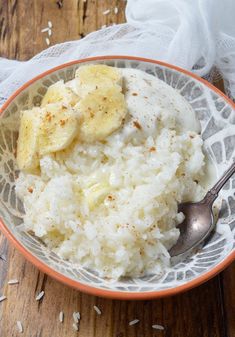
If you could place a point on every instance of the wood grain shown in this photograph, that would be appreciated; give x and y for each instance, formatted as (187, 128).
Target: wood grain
(207, 311)
(195, 313)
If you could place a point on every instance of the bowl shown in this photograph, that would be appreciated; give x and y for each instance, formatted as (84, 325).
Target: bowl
(217, 117)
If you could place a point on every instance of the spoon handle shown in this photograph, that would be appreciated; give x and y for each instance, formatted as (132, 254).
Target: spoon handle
(212, 194)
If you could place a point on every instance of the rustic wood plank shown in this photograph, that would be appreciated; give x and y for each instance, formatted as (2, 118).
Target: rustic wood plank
(196, 313)
(22, 21)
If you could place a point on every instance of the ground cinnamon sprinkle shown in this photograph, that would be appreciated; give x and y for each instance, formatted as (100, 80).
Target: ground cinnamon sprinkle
(30, 189)
(48, 116)
(152, 149)
(137, 125)
(62, 122)
(134, 94)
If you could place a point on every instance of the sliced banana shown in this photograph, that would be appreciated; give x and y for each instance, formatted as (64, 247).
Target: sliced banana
(27, 144)
(91, 77)
(96, 194)
(100, 105)
(59, 92)
(58, 128)
(102, 112)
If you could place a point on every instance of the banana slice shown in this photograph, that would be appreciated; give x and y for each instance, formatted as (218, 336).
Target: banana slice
(27, 144)
(58, 128)
(91, 77)
(59, 92)
(102, 112)
(96, 194)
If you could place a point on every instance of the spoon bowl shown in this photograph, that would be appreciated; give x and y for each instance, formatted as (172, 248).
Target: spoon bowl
(197, 225)
(199, 219)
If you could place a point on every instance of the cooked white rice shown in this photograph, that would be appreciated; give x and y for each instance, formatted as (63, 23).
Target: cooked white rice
(112, 206)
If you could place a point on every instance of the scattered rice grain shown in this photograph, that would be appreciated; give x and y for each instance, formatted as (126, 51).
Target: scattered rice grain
(106, 12)
(98, 311)
(104, 26)
(3, 257)
(44, 30)
(135, 321)
(47, 41)
(49, 24)
(40, 296)
(76, 317)
(158, 327)
(13, 281)
(75, 326)
(115, 10)
(49, 32)
(2, 298)
(61, 317)
(59, 4)
(19, 326)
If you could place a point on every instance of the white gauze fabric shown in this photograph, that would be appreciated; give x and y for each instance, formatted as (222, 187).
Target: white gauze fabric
(198, 35)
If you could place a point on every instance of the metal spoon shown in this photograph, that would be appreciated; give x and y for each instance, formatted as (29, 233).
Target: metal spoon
(199, 220)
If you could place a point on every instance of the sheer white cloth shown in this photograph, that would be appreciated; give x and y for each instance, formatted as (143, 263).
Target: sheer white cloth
(198, 35)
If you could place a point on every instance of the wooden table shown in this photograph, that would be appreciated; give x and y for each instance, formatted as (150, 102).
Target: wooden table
(207, 311)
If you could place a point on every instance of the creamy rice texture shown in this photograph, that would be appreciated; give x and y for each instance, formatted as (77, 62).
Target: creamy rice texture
(111, 206)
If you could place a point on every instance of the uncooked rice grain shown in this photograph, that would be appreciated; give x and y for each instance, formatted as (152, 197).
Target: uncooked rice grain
(19, 326)
(2, 298)
(98, 311)
(49, 24)
(106, 12)
(3, 257)
(158, 327)
(135, 321)
(61, 317)
(13, 281)
(47, 41)
(44, 30)
(76, 317)
(40, 296)
(60, 4)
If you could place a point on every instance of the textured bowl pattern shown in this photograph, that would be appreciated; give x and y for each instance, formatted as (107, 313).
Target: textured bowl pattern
(217, 119)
